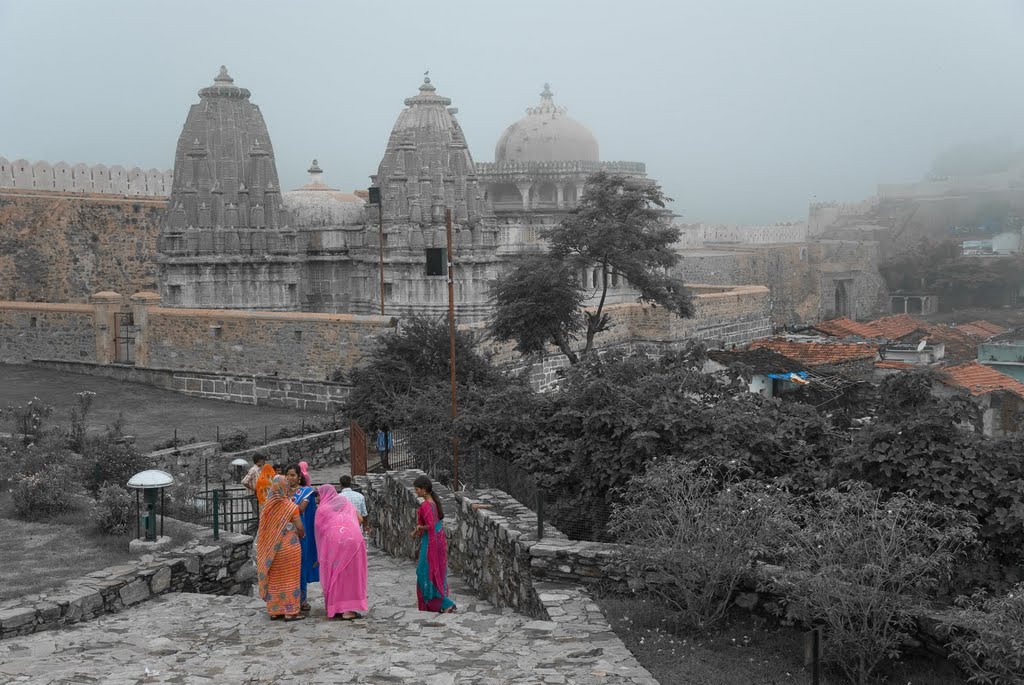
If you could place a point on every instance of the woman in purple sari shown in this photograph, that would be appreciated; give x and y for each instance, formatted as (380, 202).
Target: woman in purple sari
(432, 569)
(342, 553)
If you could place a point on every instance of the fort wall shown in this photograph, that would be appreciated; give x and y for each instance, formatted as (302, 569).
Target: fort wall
(57, 247)
(81, 178)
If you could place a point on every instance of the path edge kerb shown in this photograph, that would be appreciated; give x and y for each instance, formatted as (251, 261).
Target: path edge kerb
(206, 566)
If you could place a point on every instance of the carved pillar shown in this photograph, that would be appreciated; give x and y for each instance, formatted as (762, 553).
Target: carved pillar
(560, 195)
(524, 190)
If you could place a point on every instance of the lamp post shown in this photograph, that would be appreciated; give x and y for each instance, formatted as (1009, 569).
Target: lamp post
(149, 484)
(239, 465)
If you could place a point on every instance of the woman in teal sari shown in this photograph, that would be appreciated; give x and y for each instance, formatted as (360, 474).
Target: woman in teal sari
(432, 569)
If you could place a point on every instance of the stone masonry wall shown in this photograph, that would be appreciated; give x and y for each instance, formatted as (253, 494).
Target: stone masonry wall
(490, 541)
(319, 450)
(221, 567)
(269, 391)
(30, 330)
(285, 344)
(59, 248)
(22, 174)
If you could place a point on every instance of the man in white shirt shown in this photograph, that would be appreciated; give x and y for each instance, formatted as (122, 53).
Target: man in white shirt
(356, 498)
(250, 478)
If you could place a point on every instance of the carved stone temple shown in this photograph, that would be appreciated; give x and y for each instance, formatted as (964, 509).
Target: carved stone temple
(231, 239)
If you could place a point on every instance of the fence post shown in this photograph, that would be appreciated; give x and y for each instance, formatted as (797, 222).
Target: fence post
(216, 514)
(265, 434)
(540, 514)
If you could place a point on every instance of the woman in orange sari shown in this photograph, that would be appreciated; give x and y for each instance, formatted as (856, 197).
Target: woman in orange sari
(279, 553)
(267, 474)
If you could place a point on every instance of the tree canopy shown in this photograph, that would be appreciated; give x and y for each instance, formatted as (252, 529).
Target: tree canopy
(617, 230)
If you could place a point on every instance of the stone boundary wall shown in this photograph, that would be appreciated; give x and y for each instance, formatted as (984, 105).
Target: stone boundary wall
(80, 178)
(492, 544)
(31, 329)
(491, 538)
(328, 448)
(220, 567)
(264, 391)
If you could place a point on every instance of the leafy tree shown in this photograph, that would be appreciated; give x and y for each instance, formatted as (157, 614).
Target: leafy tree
(538, 304)
(617, 228)
(406, 380)
(932, 447)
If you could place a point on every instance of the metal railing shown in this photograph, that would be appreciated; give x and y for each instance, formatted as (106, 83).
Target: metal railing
(231, 509)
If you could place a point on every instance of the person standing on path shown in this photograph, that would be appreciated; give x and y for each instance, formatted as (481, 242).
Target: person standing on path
(267, 473)
(356, 498)
(432, 568)
(249, 482)
(279, 553)
(342, 548)
(304, 497)
(385, 443)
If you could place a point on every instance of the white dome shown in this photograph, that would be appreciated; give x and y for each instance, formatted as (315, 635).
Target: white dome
(546, 134)
(316, 205)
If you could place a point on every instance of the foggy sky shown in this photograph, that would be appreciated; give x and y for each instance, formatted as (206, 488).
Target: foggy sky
(744, 111)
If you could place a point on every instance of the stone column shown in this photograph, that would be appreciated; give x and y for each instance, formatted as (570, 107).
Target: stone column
(141, 304)
(560, 195)
(579, 192)
(105, 305)
(524, 190)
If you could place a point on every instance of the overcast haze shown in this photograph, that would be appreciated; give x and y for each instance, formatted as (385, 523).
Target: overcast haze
(744, 111)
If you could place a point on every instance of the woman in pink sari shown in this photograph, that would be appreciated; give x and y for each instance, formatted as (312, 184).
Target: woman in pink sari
(341, 549)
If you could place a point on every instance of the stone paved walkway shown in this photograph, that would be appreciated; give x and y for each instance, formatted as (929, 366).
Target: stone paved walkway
(192, 639)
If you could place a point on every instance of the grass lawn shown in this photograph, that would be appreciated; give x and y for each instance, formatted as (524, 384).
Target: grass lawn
(744, 650)
(41, 555)
(150, 414)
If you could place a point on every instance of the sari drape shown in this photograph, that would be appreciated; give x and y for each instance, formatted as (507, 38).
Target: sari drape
(342, 549)
(432, 568)
(278, 554)
(267, 474)
(310, 573)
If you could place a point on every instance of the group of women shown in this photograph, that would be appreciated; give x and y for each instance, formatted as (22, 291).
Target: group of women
(308, 536)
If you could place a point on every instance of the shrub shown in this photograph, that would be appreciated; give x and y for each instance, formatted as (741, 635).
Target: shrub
(987, 637)
(79, 416)
(175, 443)
(236, 441)
(27, 420)
(692, 534)
(50, 491)
(114, 510)
(181, 498)
(109, 461)
(863, 567)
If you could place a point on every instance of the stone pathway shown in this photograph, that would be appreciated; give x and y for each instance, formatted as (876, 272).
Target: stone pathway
(192, 639)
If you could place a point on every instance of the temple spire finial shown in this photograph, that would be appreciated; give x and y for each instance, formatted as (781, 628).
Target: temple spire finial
(223, 76)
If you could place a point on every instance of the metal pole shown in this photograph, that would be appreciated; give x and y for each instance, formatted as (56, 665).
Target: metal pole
(216, 514)
(540, 515)
(380, 242)
(451, 346)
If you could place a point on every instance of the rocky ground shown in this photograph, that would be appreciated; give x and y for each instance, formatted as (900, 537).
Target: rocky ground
(188, 638)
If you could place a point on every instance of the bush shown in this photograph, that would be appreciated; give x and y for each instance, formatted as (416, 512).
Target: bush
(987, 637)
(693, 534)
(114, 510)
(27, 420)
(236, 441)
(109, 461)
(863, 567)
(50, 491)
(79, 419)
(175, 443)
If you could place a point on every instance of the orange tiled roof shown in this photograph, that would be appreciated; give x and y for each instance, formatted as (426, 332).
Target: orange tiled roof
(981, 329)
(896, 326)
(891, 364)
(979, 379)
(816, 353)
(844, 327)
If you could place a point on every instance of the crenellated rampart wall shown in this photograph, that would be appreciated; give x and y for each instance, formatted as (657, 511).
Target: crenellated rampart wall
(81, 178)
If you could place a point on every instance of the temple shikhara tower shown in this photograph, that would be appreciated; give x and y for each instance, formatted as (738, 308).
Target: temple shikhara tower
(226, 241)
